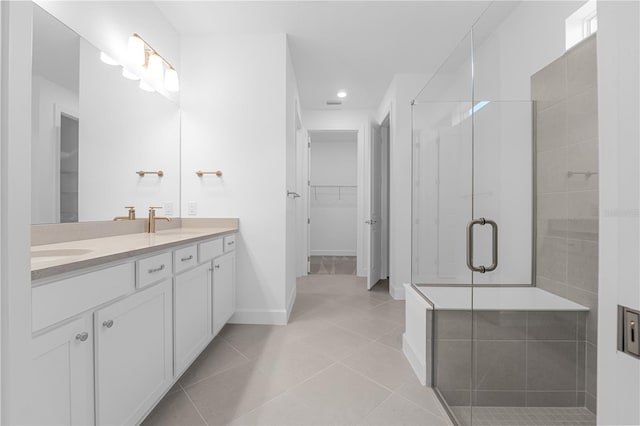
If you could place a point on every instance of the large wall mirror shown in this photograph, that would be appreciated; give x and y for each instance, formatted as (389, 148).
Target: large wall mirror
(92, 131)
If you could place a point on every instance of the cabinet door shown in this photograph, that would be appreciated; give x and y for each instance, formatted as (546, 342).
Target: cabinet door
(61, 388)
(133, 355)
(224, 290)
(191, 315)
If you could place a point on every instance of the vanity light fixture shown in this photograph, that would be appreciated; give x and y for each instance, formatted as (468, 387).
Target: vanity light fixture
(136, 50)
(171, 80)
(128, 74)
(141, 53)
(156, 68)
(107, 59)
(341, 94)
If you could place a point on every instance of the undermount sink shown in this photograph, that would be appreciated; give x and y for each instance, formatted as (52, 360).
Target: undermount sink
(57, 253)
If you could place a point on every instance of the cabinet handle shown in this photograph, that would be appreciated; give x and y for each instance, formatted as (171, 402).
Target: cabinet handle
(82, 336)
(216, 266)
(230, 243)
(154, 270)
(184, 259)
(108, 323)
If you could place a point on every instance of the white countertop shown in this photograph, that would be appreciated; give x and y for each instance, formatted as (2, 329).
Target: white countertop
(497, 299)
(81, 254)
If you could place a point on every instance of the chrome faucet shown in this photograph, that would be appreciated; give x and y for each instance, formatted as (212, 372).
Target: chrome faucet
(131, 216)
(151, 227)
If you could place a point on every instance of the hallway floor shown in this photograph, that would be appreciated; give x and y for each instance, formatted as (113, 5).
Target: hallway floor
(341, 265)
(339, 361)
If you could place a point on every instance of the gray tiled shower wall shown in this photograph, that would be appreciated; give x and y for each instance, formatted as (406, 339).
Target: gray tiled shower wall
(519, 359)
(566, 98)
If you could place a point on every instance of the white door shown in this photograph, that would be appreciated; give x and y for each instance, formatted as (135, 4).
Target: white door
(191, 315)
(61, 391)
(224, 290)
(375, 187)
(133, 355)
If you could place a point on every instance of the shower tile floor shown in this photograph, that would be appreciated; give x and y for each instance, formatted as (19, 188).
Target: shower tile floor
(341, 265)
(525, 416)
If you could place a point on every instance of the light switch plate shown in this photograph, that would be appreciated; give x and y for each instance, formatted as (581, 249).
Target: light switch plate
(192, 208)
(168, 209)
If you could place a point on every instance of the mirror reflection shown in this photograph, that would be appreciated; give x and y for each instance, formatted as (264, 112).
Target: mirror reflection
(92, 131)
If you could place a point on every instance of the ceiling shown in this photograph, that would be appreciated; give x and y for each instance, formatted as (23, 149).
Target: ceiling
(356, 46)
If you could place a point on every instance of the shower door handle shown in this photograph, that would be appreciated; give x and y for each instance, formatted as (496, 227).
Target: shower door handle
(494, 248)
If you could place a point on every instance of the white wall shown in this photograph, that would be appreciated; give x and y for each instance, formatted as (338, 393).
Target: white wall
(46, 95)
(234, 119)
(333, 209)
(15, 209)
(122, 130)
(619, 251)
(349, 120)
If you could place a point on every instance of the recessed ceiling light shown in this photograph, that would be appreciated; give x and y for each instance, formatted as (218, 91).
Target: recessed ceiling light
(342, 94)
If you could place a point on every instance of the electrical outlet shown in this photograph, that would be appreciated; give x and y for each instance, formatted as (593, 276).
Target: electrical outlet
(168, 209)
(192, 208)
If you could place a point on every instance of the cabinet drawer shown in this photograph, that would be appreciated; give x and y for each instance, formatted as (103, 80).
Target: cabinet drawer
(153, 269)
(210, 249)
(229, 243)
(63, 299)
(185, 258)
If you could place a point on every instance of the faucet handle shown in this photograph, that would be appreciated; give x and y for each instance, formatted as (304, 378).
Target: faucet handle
(151, 208)
(132, 212)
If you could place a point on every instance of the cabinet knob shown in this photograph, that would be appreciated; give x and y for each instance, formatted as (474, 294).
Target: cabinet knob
(216, 266)
(82, 336)
(108, 323)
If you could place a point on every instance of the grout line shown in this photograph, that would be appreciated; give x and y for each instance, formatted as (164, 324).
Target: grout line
(234, 348)
(195, 406)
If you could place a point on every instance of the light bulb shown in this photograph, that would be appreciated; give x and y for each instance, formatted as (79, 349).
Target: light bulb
(128, 74)
(146, 87)
(342, 94)
(135, 50)
(171, 82)
(107, 59)
(156, 67)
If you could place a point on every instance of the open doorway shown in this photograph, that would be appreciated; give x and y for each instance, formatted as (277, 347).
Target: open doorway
(333, 170)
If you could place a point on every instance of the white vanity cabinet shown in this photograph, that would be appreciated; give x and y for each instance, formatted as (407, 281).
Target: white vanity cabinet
(110, 341)
(62, 380)
(224, 290)
(133, 359)
(192, 315)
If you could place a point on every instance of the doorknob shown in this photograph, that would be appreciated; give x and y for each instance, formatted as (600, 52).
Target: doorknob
(292, 194)
(370, 222)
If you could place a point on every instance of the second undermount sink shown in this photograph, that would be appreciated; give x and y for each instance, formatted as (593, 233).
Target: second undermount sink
(57, 253)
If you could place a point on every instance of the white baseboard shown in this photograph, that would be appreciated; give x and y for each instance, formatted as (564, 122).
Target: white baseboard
(260, 316)
(414, 361)
(333, 252)
(290, 303)
(397, 292)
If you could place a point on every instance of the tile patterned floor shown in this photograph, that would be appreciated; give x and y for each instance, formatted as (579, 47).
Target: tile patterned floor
(338, 362)
(525, 416)
(342, 265)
